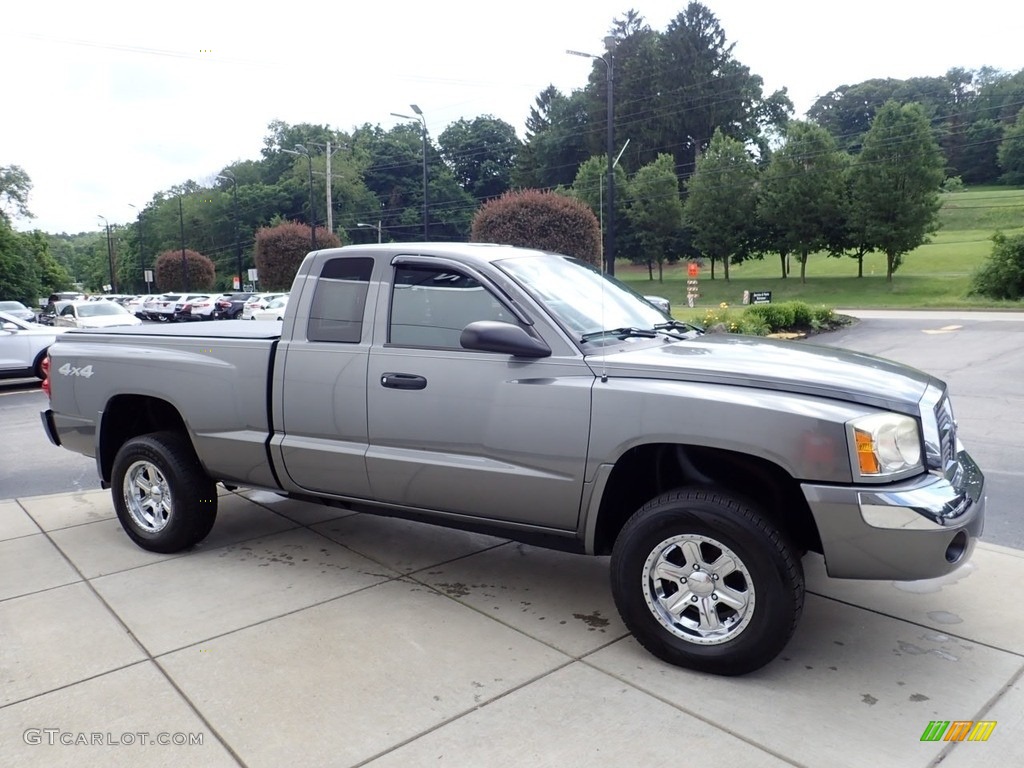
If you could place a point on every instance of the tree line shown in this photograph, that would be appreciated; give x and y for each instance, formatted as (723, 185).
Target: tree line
(673, 90)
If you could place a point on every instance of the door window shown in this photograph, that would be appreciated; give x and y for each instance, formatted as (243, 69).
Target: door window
(339, 301)
(430, 306)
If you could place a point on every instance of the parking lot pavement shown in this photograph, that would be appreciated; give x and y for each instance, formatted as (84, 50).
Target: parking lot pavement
(295, 635)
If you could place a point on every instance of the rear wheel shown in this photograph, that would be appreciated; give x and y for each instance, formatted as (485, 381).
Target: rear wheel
(37, 366)
(704, 581)
(162, 496)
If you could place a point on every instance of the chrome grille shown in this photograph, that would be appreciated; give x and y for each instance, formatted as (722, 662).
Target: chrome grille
(947, 432)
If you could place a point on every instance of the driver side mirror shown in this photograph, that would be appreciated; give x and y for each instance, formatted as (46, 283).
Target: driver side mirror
(504, 338)
(9, 326)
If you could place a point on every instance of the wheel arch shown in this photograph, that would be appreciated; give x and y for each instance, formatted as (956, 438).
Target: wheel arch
(646, 471)
(128, 416)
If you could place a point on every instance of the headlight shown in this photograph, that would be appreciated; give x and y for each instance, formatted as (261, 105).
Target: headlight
(884, 446)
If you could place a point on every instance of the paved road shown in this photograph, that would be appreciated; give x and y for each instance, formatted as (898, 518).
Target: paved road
(980, 355)
(30, 464)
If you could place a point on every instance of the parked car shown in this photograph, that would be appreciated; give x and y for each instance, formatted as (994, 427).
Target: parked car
(23, 346)
(258, 301)
(229, 306)
(183, 306)
(137, 305)
(661, 303)
(48, 314)
(168, 307)
(199, 308)
(18, 310)
(273, 311)
(95, 314)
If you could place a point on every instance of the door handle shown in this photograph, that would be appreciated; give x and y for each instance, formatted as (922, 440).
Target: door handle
(403, 381)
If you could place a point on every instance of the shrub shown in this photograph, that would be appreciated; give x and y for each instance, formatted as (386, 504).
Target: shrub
(1002, 274)
(169, 275)
(803, 317)
(281, 249)
(544, 220)
(823, 317)
(777, 317)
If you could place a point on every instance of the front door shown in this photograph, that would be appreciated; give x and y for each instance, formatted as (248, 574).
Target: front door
(467, 432)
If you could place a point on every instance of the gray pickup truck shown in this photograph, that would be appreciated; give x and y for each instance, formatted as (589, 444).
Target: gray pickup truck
(524, 394)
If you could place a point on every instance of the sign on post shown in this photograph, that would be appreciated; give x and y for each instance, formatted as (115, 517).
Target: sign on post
(692, 292)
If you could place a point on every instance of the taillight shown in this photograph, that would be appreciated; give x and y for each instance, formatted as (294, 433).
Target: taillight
(46, 376)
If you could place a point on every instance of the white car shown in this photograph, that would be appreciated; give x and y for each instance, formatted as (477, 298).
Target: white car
(23, 347)
(273, 311)
(200, 307)
(137, 304)
(95, 314)
(19, 310)
(258, 301)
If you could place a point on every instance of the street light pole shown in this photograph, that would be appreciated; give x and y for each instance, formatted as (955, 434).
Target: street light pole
(609, 250)
(234, 212)
(371, 226)
(423, 126)
(110, 255)
(301, 150)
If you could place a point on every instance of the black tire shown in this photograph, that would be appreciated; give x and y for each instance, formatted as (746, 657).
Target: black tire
(180, 506)
(37, 365)
(738, 580)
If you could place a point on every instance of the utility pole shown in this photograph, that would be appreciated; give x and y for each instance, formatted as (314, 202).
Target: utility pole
(184, 260)
(330, 212)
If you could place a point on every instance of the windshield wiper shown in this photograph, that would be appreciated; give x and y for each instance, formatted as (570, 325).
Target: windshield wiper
(621, 333)
(679, 325)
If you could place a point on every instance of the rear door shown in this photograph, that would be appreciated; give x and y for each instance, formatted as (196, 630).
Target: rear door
(323, 386)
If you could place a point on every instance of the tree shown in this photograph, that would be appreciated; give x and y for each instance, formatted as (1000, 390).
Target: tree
(703, 87)
(591, 187)
(280, 250)
(545, 220)
(481, 153)
(170, 277)
(656, 211)
(802, 193)
(896, 182)
(721, 203)
(1002, 275)
(1011, 152)
(555, 141)
(15, 186)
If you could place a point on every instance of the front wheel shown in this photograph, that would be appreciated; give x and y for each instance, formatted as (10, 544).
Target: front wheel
(162, 496)
(704, 581)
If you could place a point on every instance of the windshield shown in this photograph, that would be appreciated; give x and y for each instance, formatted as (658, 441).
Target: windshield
(98, 308)
(583, 300)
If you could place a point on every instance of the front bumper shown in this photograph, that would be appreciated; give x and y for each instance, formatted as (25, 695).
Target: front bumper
(919, 529)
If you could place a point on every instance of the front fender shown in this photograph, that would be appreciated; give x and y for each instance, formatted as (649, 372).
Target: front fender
(803, 434)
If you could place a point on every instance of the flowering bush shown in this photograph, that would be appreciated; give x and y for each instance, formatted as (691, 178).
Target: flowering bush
(762, 319)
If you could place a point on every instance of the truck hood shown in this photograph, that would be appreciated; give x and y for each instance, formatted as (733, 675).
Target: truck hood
(787, 366)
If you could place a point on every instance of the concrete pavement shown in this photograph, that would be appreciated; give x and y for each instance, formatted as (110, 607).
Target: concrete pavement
(300, 635)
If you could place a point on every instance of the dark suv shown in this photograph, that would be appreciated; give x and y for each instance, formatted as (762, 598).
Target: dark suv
(230, 307)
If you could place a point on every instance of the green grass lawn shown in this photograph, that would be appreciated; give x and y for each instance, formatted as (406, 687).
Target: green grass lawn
(935, 275)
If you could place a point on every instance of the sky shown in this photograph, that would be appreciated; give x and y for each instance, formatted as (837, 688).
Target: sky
(107, 102)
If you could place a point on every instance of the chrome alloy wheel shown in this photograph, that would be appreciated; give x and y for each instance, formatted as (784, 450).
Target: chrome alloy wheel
(698, 589)
(147, 495)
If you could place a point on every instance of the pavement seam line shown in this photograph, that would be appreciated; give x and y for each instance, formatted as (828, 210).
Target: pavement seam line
(148, 656)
